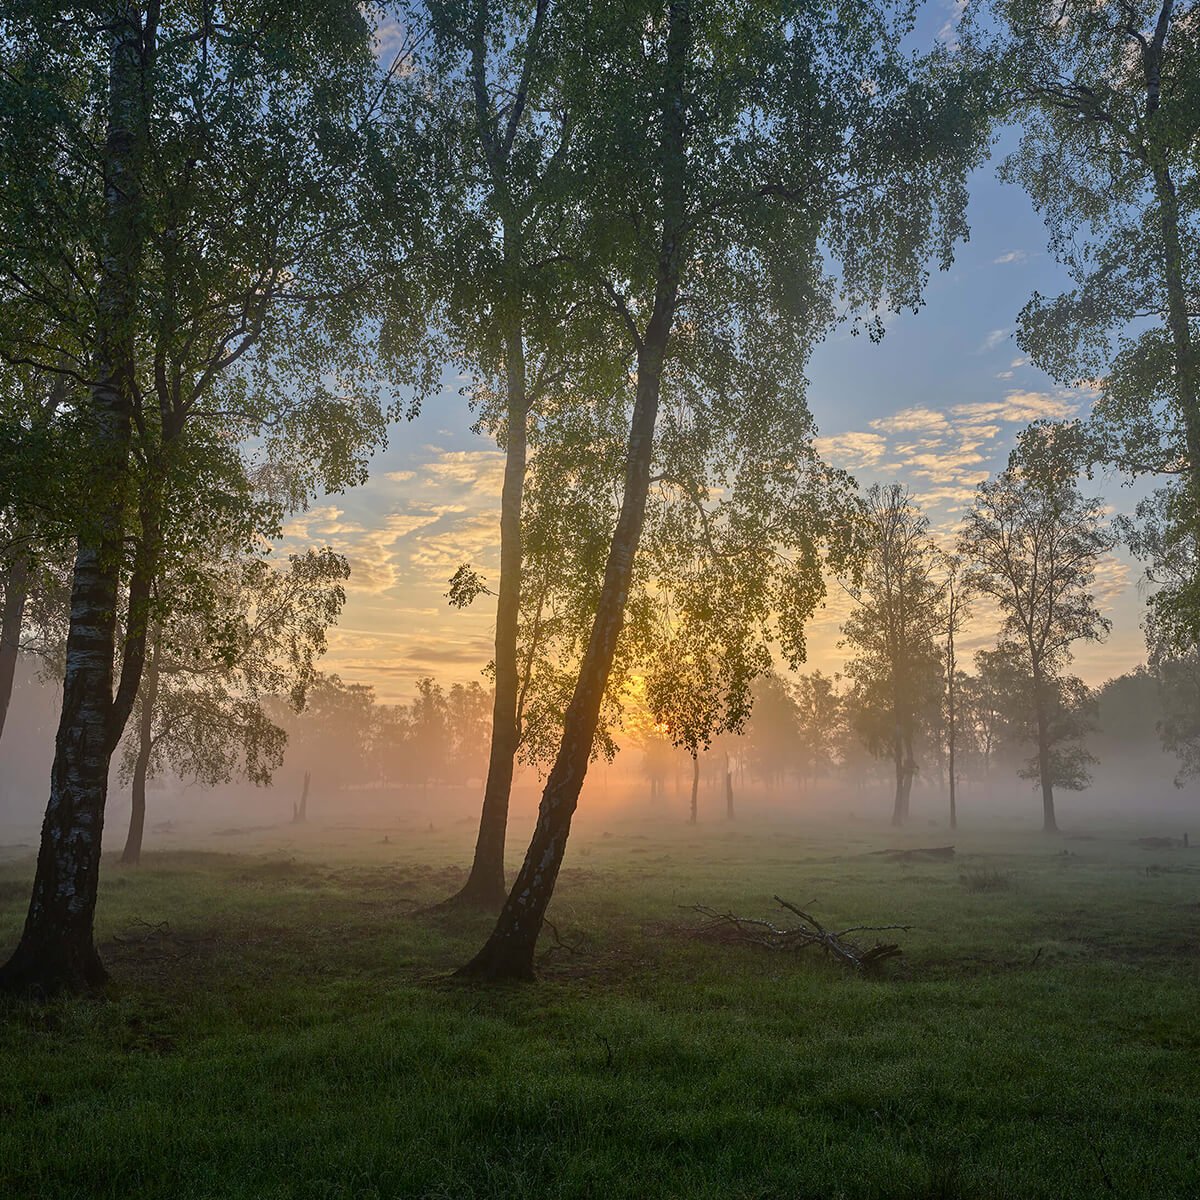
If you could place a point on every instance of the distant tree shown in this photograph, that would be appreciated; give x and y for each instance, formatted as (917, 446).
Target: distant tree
(724, 155)
(820, 716)
(467, 716)
(1032, 543)
(1179, 727)
(990, 704)
(773, 736)
(1107, 95)
(247, 632)
(893, 634)
(955, 611)
(333, 741)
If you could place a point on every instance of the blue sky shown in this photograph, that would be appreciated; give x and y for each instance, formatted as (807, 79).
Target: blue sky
(936, 405)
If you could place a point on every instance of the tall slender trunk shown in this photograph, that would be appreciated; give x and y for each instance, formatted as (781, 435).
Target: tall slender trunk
(695, 788)
(132, 854)
(1187, 370)
(953, 792)
(16, 592)
(57, 951)
(900, 803)
(485, 884)
(951, 722)
(1049, 824)
(1174, 259)
(728, 791)
(508, 952)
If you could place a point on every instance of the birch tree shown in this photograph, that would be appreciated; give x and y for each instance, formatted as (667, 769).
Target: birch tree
(192, 224)
(511, 306)
(723, 152)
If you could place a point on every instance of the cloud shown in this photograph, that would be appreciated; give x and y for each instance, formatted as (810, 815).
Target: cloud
(476, 650)
(479, 471)
(993, 339)
(1010, 256)
(852, 450)
(948, 33)
(911, 420)
(1018, 407)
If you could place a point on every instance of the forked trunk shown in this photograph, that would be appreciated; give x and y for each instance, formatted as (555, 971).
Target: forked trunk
(508, 952)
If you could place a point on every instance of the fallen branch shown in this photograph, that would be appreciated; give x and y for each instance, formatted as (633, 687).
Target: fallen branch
(919, 852)
(754, 931)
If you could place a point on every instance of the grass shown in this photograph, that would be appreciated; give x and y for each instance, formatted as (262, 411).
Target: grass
(281, 1024)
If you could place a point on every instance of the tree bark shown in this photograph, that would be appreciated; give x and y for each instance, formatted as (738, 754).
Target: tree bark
(900, 804)
(57, 951)
(951, 717)
(695, 789)
(16, 592)
(300, 810)
(508, 952)
(485, 884)
(132, 854)
(1049, 824)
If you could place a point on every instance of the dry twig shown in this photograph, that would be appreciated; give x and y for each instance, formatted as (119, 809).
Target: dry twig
(754, 931)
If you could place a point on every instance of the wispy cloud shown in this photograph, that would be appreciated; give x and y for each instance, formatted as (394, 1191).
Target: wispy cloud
(1010, 256)
(993, 339)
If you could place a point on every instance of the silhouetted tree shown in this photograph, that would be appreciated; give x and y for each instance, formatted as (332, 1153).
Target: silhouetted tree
(513, 310)
(245, 632)
(893, 634)
(1032, 543)
(724, 154)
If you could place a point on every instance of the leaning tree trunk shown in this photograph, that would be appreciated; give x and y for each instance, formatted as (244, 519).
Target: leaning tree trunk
(132, 854)
(508, 952)
(485, 884)
(16, 591)
(57, 951)
(695, 812)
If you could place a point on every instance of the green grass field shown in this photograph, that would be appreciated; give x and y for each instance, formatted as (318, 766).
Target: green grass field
(281, 1024)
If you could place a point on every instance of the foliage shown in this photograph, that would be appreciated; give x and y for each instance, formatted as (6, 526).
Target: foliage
(1032, 543)
(1108, 99)
(254, 634)
(893, 633)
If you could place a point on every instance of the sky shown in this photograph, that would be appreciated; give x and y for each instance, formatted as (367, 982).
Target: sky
(936, 405)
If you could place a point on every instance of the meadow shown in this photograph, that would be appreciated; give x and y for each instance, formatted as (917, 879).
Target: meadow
(282, 1021)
